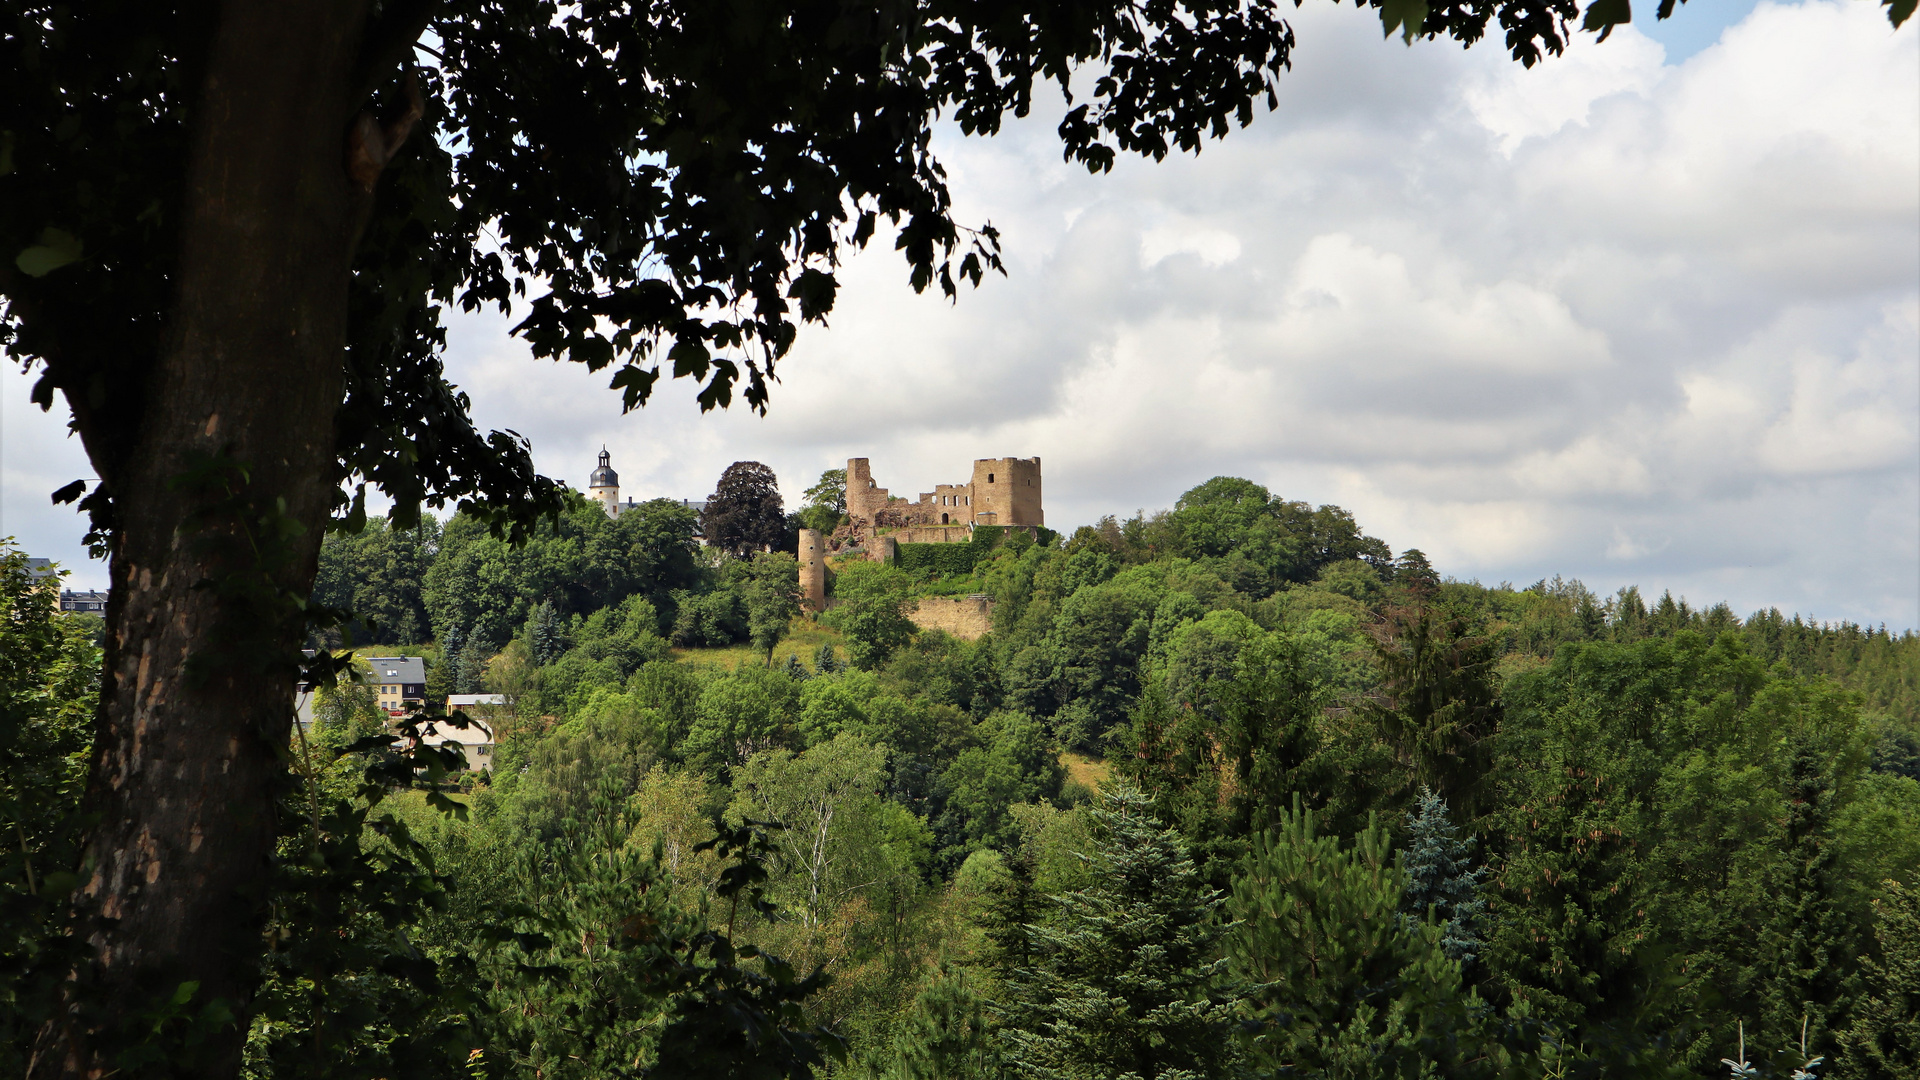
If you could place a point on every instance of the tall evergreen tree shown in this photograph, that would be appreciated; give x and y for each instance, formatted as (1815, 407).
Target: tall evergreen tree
(543, 634)
(1440, 696)
(1441, 877)
(447, 679)
(1811, 947)
(1885, 1037)
(945, 1036)
(1126, 980)
(473, 663)
(1344, 987)
(825, 661)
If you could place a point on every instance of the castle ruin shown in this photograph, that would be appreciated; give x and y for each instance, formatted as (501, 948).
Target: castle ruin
(1002, 492)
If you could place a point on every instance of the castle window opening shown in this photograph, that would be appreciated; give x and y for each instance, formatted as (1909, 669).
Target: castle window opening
(943, 519)
(989, 478)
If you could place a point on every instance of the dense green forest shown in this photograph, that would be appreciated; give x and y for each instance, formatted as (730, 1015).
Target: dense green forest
(1229, 790)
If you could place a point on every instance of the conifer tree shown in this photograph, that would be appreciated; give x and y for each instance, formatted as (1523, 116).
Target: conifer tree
(825, 662)
(448, 682)
(1126, 980)
(945, 1036)
(1441, 878)
(1344, 987)
(473, 663)
(797, 668)
(1885, 1037)
(543, 634)
(1811, 946)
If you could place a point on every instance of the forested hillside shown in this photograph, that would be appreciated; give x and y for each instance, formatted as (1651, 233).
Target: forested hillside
(1232, 789)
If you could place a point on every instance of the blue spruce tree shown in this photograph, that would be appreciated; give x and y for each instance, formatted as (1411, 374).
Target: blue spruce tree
(543, 634)
(451, 642)
(1441, 877)
(825, 662)
(473, 663)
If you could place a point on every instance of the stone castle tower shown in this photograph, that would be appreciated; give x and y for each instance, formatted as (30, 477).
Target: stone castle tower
(604, 485)
(813, 571)
(1002, 491)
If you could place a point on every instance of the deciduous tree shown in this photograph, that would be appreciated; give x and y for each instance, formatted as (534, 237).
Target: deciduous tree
(744, 515)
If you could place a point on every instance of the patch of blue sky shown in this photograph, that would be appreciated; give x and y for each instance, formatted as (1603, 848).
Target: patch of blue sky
(1692, 27)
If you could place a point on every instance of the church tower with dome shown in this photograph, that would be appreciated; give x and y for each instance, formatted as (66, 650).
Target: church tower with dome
(604, 485)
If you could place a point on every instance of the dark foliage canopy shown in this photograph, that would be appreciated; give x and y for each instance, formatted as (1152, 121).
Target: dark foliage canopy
(745, 514)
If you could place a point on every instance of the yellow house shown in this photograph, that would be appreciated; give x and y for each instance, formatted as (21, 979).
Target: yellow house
(399, 682)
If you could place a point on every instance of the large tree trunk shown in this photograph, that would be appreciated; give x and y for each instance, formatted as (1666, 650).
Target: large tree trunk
(196, 704)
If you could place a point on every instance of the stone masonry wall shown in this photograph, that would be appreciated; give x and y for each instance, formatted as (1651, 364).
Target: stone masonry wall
(965, 617)
(864, 497)
(813, 571)
(1006, 491)
(1002, 491)
(934, 534)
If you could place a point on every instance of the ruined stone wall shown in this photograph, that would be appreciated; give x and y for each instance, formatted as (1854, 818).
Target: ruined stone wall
(1003, 491)
(946, 504)
(965, 617)
(864, 497)
(813, 571)
(1006, 491)
(934, 534)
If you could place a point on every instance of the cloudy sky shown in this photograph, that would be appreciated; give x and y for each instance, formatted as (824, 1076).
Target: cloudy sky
(1649, 313)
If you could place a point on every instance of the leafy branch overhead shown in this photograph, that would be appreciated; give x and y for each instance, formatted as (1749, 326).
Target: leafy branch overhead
(663, 190)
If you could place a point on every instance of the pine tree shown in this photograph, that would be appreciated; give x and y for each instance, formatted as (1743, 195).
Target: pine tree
(1127, 979)
(944, 1037)
(1343, 986)
(1441, 877)
(796, 668)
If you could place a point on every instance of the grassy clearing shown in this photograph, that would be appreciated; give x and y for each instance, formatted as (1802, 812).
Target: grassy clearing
(1092, 772)
(804, 638)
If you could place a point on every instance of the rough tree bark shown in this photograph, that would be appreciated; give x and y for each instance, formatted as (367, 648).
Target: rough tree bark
(220, 502)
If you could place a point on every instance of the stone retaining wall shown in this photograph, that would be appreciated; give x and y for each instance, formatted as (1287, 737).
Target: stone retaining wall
(965, 617)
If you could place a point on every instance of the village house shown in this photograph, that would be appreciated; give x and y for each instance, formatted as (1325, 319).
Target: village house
(400, 683)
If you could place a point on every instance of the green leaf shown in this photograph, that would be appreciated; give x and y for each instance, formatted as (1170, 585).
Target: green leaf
(1898, 11)
(1604, 15)
(56, 248)
(1407, 15)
